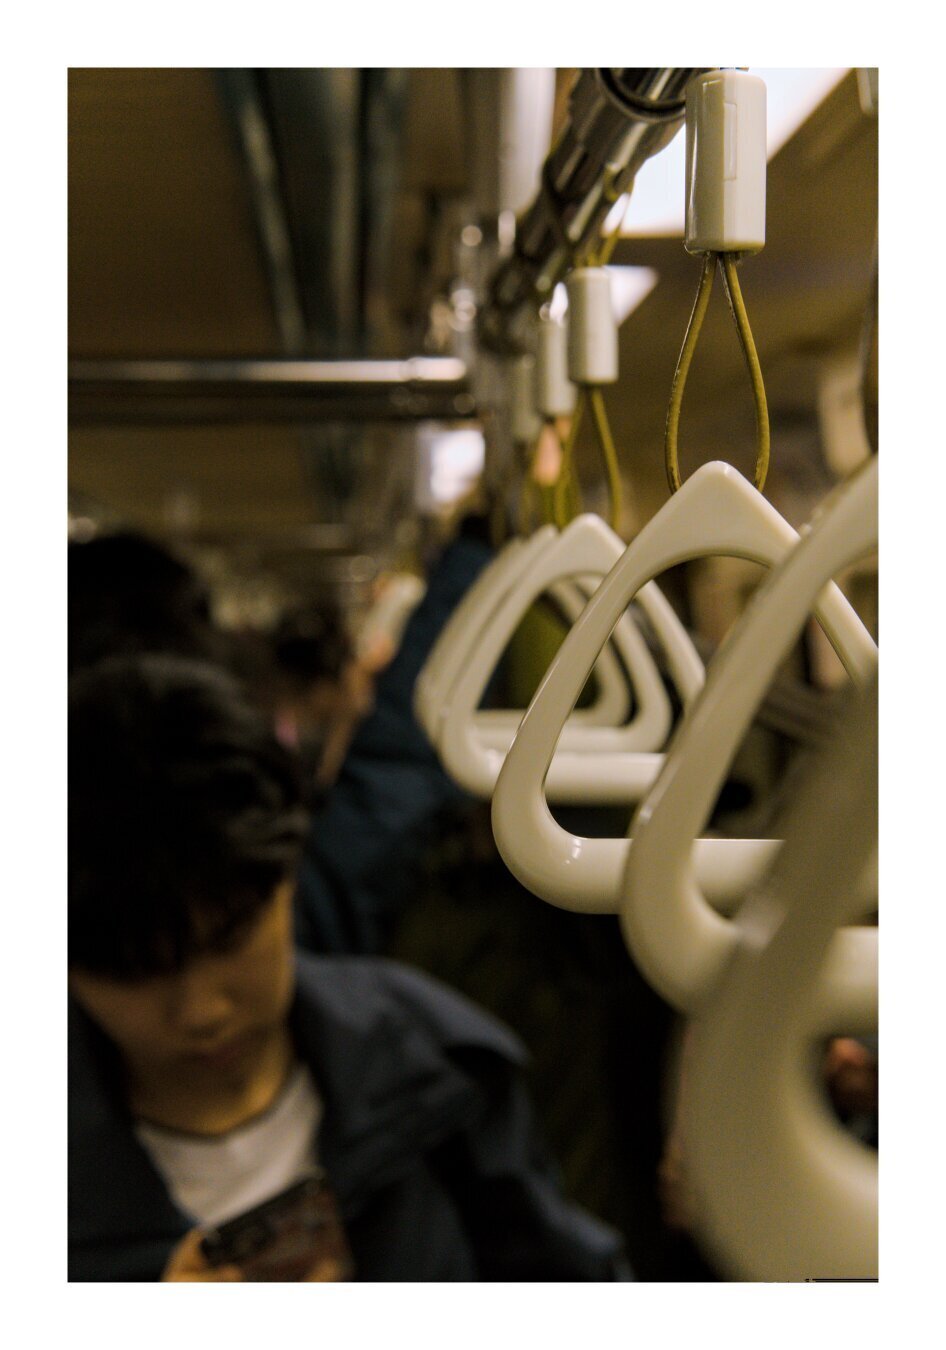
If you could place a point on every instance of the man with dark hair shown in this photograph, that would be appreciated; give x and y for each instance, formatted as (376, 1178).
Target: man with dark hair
(212, 1065)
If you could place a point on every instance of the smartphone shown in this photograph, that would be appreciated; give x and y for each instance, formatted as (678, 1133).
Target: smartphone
(285, 1238)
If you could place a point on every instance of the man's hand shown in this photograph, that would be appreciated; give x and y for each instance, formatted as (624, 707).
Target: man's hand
(188, 1263)
(326, 1270)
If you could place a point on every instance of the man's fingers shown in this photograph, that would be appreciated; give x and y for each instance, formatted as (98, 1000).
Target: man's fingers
(188, 1265)
(327, 1271)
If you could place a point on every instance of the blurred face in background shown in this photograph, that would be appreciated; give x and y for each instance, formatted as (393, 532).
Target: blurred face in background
(319, 719)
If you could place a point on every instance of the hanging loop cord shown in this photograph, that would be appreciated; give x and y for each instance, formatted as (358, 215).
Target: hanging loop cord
(700, 306)
(595, 396)
(608, 454)
(567, 493)
(741, 319)
(606, 246)
(610, 243)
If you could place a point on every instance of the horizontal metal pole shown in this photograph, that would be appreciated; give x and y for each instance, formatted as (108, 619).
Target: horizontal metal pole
(328, 539)
(207, 391)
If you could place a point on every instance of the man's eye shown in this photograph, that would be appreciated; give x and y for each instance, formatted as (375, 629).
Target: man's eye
(232, 941)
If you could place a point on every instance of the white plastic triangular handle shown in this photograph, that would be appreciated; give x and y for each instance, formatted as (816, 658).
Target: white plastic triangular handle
(460, 633)
(612, 701)
(586, 545)
(679, 940)
(784, 1192)
(683, 662)
(715, 512)
(449, 651)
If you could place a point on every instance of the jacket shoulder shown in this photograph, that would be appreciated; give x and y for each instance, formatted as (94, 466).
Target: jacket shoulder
(377, 990)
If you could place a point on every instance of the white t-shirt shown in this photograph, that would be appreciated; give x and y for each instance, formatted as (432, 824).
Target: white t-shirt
(217, 1178)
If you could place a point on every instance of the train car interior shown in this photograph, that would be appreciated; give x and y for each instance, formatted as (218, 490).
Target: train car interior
(473, 599)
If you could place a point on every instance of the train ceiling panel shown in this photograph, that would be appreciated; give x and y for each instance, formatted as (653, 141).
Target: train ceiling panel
(163, 259)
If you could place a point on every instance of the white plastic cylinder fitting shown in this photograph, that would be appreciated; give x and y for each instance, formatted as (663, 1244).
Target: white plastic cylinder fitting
(592, 329)
(526, 423)
(726, 162)
(554, 392)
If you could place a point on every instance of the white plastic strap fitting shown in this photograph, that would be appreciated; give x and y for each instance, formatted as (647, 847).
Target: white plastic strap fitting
(526, 423)
(726, 162)
(555, 394)
(592, 329)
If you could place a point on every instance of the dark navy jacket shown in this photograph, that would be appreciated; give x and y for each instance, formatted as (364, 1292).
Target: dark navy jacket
(426, 1137)
(361, 864)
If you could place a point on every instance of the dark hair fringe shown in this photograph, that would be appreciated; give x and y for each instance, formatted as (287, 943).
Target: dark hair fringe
(185, 814)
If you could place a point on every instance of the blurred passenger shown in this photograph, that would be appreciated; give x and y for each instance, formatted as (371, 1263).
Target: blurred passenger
(320, 691)
(211, 1065)
(129, 594)
(364, 858)
(395, 597)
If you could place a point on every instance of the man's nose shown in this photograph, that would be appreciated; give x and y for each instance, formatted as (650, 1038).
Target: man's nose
(200, 1006)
